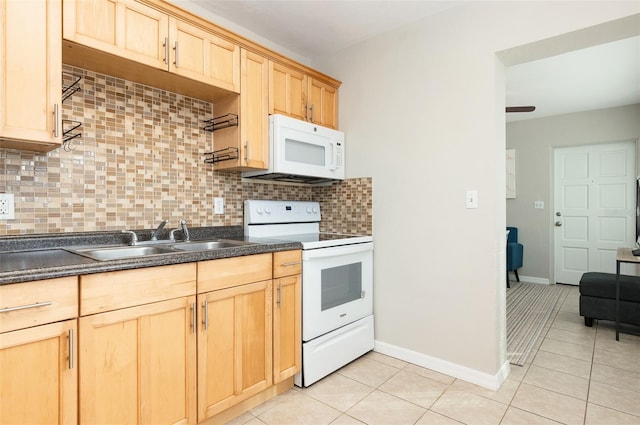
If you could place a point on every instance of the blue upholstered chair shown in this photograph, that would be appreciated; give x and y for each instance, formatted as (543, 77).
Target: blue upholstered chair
(514, 253)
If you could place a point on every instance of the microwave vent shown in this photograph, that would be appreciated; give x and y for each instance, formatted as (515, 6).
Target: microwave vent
(292, 178)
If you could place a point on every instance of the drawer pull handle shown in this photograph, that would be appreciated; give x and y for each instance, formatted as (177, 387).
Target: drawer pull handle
(292, 263)
(24, 307)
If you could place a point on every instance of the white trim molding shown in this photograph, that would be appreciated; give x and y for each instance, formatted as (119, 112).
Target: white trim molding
(486, 380)
(531, 279)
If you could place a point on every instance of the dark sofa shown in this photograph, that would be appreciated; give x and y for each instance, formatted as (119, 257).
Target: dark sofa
(598, 298)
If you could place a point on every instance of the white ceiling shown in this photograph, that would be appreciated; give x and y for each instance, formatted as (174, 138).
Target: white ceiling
(603, 76)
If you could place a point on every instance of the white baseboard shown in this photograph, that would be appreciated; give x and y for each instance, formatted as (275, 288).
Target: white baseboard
(492, 382)
(531, 279)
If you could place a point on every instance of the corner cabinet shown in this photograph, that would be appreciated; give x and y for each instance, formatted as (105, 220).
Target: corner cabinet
(30, 75)
(38, 352)
(138, 342)
(250, 139)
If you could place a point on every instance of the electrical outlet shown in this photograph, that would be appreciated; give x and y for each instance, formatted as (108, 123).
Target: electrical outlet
(218, 205)
(7, 207)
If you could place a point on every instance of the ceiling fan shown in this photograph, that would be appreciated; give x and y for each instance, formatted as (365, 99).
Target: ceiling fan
(520, 109)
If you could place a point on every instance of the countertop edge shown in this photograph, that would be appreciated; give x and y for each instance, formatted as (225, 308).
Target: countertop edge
(26, 275)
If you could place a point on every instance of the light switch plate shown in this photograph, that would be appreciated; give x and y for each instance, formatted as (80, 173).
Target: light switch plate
(472, 199)
(7, 206)
(539, 205)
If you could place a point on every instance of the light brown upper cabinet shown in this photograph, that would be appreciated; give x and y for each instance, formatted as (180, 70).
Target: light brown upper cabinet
(294, 93)
(30, 75)
(202, 56)
(323, 104)
(145, 35)
(287, 91)
(250, 140)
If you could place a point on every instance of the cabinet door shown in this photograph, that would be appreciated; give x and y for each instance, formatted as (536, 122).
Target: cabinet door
(142, 360)
(124, 28)
(287, 91)
(202, 56)
(287, 327)
(323, 104)
(30, 75)
(234, 346)
(254, 110)
(39, 377)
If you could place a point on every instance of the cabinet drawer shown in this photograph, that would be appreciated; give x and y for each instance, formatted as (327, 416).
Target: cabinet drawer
(34, 303)
(127, 288)
(287, 263)
(228, 272)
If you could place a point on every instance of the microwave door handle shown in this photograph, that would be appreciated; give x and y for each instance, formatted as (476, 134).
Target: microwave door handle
(334, 156)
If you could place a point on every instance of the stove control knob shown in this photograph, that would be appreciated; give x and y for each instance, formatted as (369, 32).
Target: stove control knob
(259, 210)
(267, 210)
(315, 210)
(308, 210)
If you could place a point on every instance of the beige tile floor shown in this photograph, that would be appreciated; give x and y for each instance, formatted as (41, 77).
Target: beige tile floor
(576, 375)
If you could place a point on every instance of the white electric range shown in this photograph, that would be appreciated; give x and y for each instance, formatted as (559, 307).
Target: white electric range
(337, 283)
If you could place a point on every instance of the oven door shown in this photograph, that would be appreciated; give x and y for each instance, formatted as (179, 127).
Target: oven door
(337, 287)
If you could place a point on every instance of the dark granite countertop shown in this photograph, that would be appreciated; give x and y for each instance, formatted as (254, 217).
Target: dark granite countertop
(36, 257)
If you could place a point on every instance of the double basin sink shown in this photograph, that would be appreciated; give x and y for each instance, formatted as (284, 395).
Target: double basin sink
(134, 251)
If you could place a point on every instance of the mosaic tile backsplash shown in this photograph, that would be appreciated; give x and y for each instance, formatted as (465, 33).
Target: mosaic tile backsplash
(139, 160)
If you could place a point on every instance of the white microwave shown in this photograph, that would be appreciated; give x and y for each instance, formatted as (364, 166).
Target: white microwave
(302, 152)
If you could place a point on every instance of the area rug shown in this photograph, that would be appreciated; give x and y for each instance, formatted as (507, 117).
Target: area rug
(529, 307)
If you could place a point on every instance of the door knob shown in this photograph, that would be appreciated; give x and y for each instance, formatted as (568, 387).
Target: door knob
(558, 223)
(558, 214)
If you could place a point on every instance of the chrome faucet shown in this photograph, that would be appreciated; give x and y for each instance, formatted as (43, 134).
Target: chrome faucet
(134, 237)
(155, 233)
(185, 231)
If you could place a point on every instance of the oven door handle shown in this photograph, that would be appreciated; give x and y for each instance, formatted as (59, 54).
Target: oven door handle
(336, 251)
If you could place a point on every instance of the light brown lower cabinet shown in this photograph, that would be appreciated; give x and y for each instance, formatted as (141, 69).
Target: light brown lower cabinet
(138, 365)
(39, 352)
(137, 335)
(287, 327)
(287, 314)
(146, 348)
(234, 346)
(38, 375)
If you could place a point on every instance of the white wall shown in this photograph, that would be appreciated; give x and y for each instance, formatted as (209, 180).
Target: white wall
(534, 141)
(423, 110)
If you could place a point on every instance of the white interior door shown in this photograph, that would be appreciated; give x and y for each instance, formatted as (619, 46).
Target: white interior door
(594, 201)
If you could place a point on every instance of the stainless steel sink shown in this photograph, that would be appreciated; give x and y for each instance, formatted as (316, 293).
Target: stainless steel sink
(121, 252)
(208, 245)
(157, 248)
